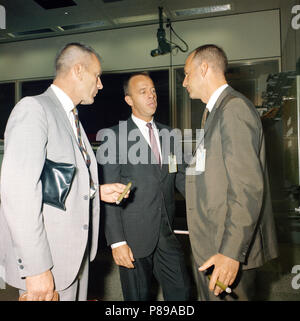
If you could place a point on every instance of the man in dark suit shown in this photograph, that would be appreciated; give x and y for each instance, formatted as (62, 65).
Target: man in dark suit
(229, 210)
(140, 230)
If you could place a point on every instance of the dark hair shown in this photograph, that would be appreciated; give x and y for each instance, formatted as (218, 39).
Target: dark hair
(66, 54)
(214, 54)
(126, 82)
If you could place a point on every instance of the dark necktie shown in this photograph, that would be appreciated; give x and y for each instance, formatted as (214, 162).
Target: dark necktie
(204, 117)
(153, 143)
(83, 150)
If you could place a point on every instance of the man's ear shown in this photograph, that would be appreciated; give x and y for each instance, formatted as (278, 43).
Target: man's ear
(128, 100)
(78, 71)
(203, 68)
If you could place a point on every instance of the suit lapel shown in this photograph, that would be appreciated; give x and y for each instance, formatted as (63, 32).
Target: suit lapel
(131, 125)
(60, 110)
(210, 118)
(63, 116)
(164, 168)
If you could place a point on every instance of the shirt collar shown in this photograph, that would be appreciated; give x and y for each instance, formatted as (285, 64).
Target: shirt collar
(63, 98)
(140, 122)
(214, 97)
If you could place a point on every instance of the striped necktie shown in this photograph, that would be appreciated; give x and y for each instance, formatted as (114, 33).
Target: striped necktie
(83, 150)
(153, 143)
(204, 117)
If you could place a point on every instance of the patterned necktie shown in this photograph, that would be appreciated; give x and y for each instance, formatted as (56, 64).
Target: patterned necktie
(153, 143)
(84, 152)
(204, 117)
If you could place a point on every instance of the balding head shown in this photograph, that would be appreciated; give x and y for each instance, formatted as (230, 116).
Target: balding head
(205, 72)
(212, 55)
(71, 54)
(78, 71)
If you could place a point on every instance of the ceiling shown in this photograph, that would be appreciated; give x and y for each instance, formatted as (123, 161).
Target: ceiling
(29, 19)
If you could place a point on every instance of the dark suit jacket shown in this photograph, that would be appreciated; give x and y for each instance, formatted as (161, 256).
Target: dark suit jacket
(228, 205)
(137, 219)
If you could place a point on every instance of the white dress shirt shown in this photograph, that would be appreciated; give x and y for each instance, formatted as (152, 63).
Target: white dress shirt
(214, 97)
(67, 104)
(142, 125)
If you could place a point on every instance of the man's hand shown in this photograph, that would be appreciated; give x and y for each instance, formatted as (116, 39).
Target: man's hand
(110, 192)
(225, 271)
(40, 287)
(123, 256)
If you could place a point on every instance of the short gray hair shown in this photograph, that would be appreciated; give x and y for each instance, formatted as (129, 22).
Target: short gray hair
(214, 54)
(70, 53)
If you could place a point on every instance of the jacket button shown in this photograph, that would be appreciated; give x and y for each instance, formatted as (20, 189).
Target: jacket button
(19, 261)
(21, 267)
(85, 227)
(85, 197)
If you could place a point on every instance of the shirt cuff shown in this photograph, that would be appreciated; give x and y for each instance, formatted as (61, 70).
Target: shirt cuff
(114, 245)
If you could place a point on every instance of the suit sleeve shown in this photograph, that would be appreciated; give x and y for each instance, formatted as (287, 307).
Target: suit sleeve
(110, 172)
(180, 178)
(21, 190)
(241, 140)
(181, 165)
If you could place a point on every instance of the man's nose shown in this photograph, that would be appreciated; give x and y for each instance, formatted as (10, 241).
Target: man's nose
(99, 83)
(184, 84)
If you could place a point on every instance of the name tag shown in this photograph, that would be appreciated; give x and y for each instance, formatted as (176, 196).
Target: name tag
(172, 163)
(200, 159)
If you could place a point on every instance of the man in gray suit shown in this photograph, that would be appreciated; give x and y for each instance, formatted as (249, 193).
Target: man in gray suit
(229, 210)
(45, 248)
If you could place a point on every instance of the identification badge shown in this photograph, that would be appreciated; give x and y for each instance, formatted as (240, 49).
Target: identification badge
(200, 159)
(172, 163)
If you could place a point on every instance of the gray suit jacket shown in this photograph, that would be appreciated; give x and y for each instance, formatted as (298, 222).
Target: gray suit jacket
(36, 237)
(228, 205)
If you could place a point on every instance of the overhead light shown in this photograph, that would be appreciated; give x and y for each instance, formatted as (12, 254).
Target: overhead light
(55, 4)
(132, 19)
(30, 32)
(107, 1)
(202, 10)
(95, 24)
